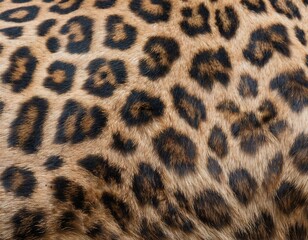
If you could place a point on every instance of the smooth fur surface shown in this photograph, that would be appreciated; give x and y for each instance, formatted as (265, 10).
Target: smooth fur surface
(154, 119)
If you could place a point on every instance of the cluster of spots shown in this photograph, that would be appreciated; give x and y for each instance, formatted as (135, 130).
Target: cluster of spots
(27, 129)
(189, 107)
(191, 24)
(262, 227)
(100, 168)
(252, 128)
(264, 42)
(161, 52)
(67, 191)
(289, 197)
(19, 181)
(293, 87)
(29, 224)
(105, 76)
(212, 209)
(120, 35)
(78, 123)
(147, 185)
(141, 108)
(227, 22)
(20, 72)
(209, 66)
(298, 153)
(287, 8)
(154, 12)
(61, 75)
(273, 172)
(20, 14)
(248, 86)
(175, 149)
(218, 142)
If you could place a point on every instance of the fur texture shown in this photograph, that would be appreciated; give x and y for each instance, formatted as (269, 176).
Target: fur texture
(153, 119)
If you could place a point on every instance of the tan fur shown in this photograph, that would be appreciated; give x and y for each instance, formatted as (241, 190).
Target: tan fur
(192, 184)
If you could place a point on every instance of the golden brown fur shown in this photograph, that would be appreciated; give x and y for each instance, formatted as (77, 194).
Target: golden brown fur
(234, 167)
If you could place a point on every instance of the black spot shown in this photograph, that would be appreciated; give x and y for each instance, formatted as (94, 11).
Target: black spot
(201, 27)
(151, 231)
(77, 123)
(257, 6)
(118, 209)
(289, 197)
(214, 169)
(227, 22)
(101, 168)
(20, 72)
(267, 110)
(53, 163)
(148, 185)
(53, 44)
(299, 153)
(228, 106)
(273, 173)
(12, 32)
(300, 34)
(125, 146)
(116, 29)
(96, 230)
(287, 8)
(209, 66)
(182, 200)
(61, 76)
(176, 151)
(20, 181)
(243, 185)
(158, 11)
(29, 224)
(249, 129)
(44, 27)
(27, 129)
(262, 227)
(264, 41)
(297, 232)
(1, 107)
(104, 4)
(105, 76)
(248, 87)
(175, 219)
(292, 86)
(218, 142)
(64, 8)
(212, 209)
(67, 221)
(277, 127)
(161, 53)
(189, 107)
(80, 37)
(141, 108)
(11, 14)
(68, 191)
(21, 1)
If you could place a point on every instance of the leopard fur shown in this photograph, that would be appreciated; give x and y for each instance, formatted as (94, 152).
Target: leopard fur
(154, 119)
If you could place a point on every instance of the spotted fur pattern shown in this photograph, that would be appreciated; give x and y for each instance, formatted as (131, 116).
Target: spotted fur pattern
(153, 119)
